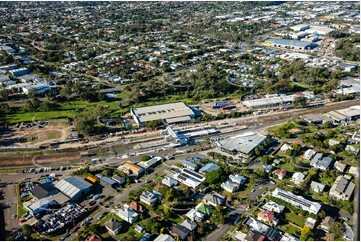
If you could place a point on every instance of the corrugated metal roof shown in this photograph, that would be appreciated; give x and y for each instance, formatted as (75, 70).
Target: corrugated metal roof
(71, 186)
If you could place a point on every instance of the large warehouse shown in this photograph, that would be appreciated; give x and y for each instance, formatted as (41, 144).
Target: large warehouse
(243, 145)
(320, 30)
(74, 187)
(170, 113)
(290, 44)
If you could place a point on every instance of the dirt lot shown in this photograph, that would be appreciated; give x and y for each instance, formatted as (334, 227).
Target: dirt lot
(207, 107)
(36, 136)
(43, 159)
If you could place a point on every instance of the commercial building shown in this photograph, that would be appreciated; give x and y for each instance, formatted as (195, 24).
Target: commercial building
(130, 168)
(290, 44)
(298, 201)
(40, 206)
(74, 187)
(44, 190)
(107, 182)
(170, 113)
(242, 145)
(342, 188)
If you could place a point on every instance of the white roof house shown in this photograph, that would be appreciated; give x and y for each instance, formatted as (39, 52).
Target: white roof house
(128, 214)
(164, 237)
(273, 207)
(298, 178)
(309, 154)
(286, 147)
(304, 204)
(317, 187)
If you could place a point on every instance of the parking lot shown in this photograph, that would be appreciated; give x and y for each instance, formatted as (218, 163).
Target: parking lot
(59, 219)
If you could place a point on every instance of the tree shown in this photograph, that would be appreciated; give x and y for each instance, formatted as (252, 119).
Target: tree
(337, 229)
(299, 102)
(305, 233)
(154, 124)
(214, 176)
(145, 158)
(49, 105)
(27, 229)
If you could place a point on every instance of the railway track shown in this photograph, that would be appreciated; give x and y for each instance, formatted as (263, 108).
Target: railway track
(74, 156)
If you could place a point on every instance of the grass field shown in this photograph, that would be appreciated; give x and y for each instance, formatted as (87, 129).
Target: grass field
(296, 219)
(288, 228)
(53, 135)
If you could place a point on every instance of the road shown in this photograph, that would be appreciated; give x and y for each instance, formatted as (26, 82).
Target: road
(223, 229)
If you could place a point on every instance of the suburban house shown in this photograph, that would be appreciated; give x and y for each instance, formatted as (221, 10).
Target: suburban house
(352, 149)
(164, 237)
(208, 168)
(195, 215)
(286, 147)
(295, 131)
(321, 162)
(326, 223)
(317, 187)
(149, 197)
(275, 207)
(237, 179)
(267, 216)
(310, 222)
(280, 174)
(128, 214)
(94, 237)
(309, 154)
(189, 164)
(190, 225)
(137, 207)
(332, 142)
(169, 182)
(214, 199)
(230, 186)
(139, 228)
(113, 226)
(298, 178)
(180, 232)
(254, 236)
(341, 167)
(342, 189)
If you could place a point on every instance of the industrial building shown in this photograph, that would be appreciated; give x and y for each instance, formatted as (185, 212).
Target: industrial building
(170, 113)
(74, 187)
(298, 201)
(39, 206)
(44, 190)
(300, 27)
(346, 114)
(269, 102)
(319, 30)
(290, 44)
(242, 145)
(19, 72)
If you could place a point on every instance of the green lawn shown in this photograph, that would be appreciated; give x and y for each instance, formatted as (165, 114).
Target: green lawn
(296, 219)
(53, 135)
(288, 167)
(288, 228)
(21, 209)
